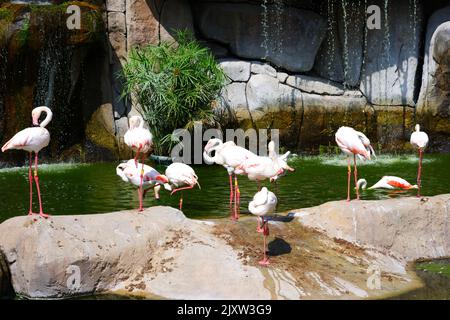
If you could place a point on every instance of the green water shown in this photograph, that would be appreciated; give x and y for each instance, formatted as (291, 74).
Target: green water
(95, 188)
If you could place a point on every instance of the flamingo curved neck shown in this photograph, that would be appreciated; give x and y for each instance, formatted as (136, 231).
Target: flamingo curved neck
(48, 117)
(362, 184)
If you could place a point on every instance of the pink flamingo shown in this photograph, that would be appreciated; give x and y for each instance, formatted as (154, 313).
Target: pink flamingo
(152, 178)
(355, 143)
(264, 203)
(182, 177)
(230, 156)
(387, 182)
(139, 139)
(33, 139)
(419, 140)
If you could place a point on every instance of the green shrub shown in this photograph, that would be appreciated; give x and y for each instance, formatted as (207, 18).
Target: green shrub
(175, 83)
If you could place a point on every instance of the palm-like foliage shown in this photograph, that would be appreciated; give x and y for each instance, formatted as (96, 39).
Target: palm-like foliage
(175, 84)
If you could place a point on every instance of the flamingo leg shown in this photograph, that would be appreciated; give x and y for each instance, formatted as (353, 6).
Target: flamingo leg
(349, 172)
(419, 172)
(231, 191)
(137, 156)
(179, 189)
(236, 198)
(181, 201)
(265, 260)
(36, 181)
(355, 172)
(259, 185)
(30, 178)
(259, 229)
(141, 192)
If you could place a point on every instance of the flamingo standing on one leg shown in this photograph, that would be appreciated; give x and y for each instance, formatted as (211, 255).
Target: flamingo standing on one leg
(182, 177)
(139, 139)
(353, 143)
(152, 178)
(264, 203)
(387, 182)
(230, 156)
(419, 140)
(33, 140)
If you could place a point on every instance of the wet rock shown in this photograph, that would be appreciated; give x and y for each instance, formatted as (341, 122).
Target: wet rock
(240, 26)
(315, 85)
(236, 70)
(411, 228)
(116, 22)
(100, 129)
(263, 68)
(235, 98)
(115, 5)
(434, 100)
(391, 58)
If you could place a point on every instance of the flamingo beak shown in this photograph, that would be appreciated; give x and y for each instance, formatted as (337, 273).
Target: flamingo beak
(290, 168)
(35, 120)
(162, 178)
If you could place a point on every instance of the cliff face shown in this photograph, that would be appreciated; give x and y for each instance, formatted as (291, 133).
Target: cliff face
(304, 67)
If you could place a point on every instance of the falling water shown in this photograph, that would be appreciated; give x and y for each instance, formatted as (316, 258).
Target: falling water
(366, 30)
(345, 46)
(331, 35)
(413, 21)
(265, 28)
(387, 44)
(279, 10)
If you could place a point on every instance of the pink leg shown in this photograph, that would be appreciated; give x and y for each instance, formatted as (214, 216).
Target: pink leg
(30, 178)
(141, 192)
(259, 185)
(36, 180)
(356, 177)
(348, 179)
(259, 229)
(181, 201)
(179, 189)
(236, 198)
(265, 260)
(137, 156)
(419, 173)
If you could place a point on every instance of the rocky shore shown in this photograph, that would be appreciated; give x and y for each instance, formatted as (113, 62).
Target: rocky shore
(338, 250)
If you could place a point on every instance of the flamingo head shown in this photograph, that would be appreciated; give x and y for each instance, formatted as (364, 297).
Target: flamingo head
(36, 114)
(135, 121)
(212, 143)
(120, 171)
(417, 128)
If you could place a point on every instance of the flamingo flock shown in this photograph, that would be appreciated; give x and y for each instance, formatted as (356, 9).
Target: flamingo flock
(235, 159)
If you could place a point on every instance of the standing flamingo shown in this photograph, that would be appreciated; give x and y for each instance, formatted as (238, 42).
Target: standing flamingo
(259, 168)
(419, 140)
(387, 182)
(33, 139)
(182, 177)
(355, 143)
(139, 140)
(151, 179)
(264, 203)
(230, 156)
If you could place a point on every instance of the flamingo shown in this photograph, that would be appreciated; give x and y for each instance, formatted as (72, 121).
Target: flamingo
(259, 168)
(182, 177)
(151, 178)
(139, 139)
(419, 140)
(355, 143)
(33, 139)
(230, 156)
(264, 203)
(387, 182)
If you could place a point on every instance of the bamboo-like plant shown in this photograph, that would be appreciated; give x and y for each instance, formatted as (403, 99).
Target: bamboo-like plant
(175, 83)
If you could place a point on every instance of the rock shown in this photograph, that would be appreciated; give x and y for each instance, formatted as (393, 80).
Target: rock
(115, 5)
(100, 129)
(159, 252)
(176, 15)
(282, 76)
(142, 25)
(314, 85)
(389, 73)
(121, 126)
(240, 26)
(433, 109)
(118, 42)
(5, 277)
(341, 54)
(263, 68)
(235, 99)
(265, 95)
(412, 228)
(116, 22)
(236, 70)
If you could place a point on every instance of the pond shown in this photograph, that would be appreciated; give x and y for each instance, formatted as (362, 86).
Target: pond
(95, 188)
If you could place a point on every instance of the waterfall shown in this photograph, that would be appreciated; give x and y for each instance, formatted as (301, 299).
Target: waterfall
(279, 10)
(265, 29)
(331, 35)
(345, 45)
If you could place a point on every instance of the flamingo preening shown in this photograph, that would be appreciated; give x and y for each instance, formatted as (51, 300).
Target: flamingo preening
(230, 156)
(139, 139)
(151, 178)
(259, 168)
(264, 203)
(387, 182)
(33, 139)
(353, 143)
(419, 140)
(182, 177)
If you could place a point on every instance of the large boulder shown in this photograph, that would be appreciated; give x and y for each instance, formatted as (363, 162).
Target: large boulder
(391, 57)
(433, 108)
(243, 28)
(413, 228)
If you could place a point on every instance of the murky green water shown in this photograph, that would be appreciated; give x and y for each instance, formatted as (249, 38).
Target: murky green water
(95, 188)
